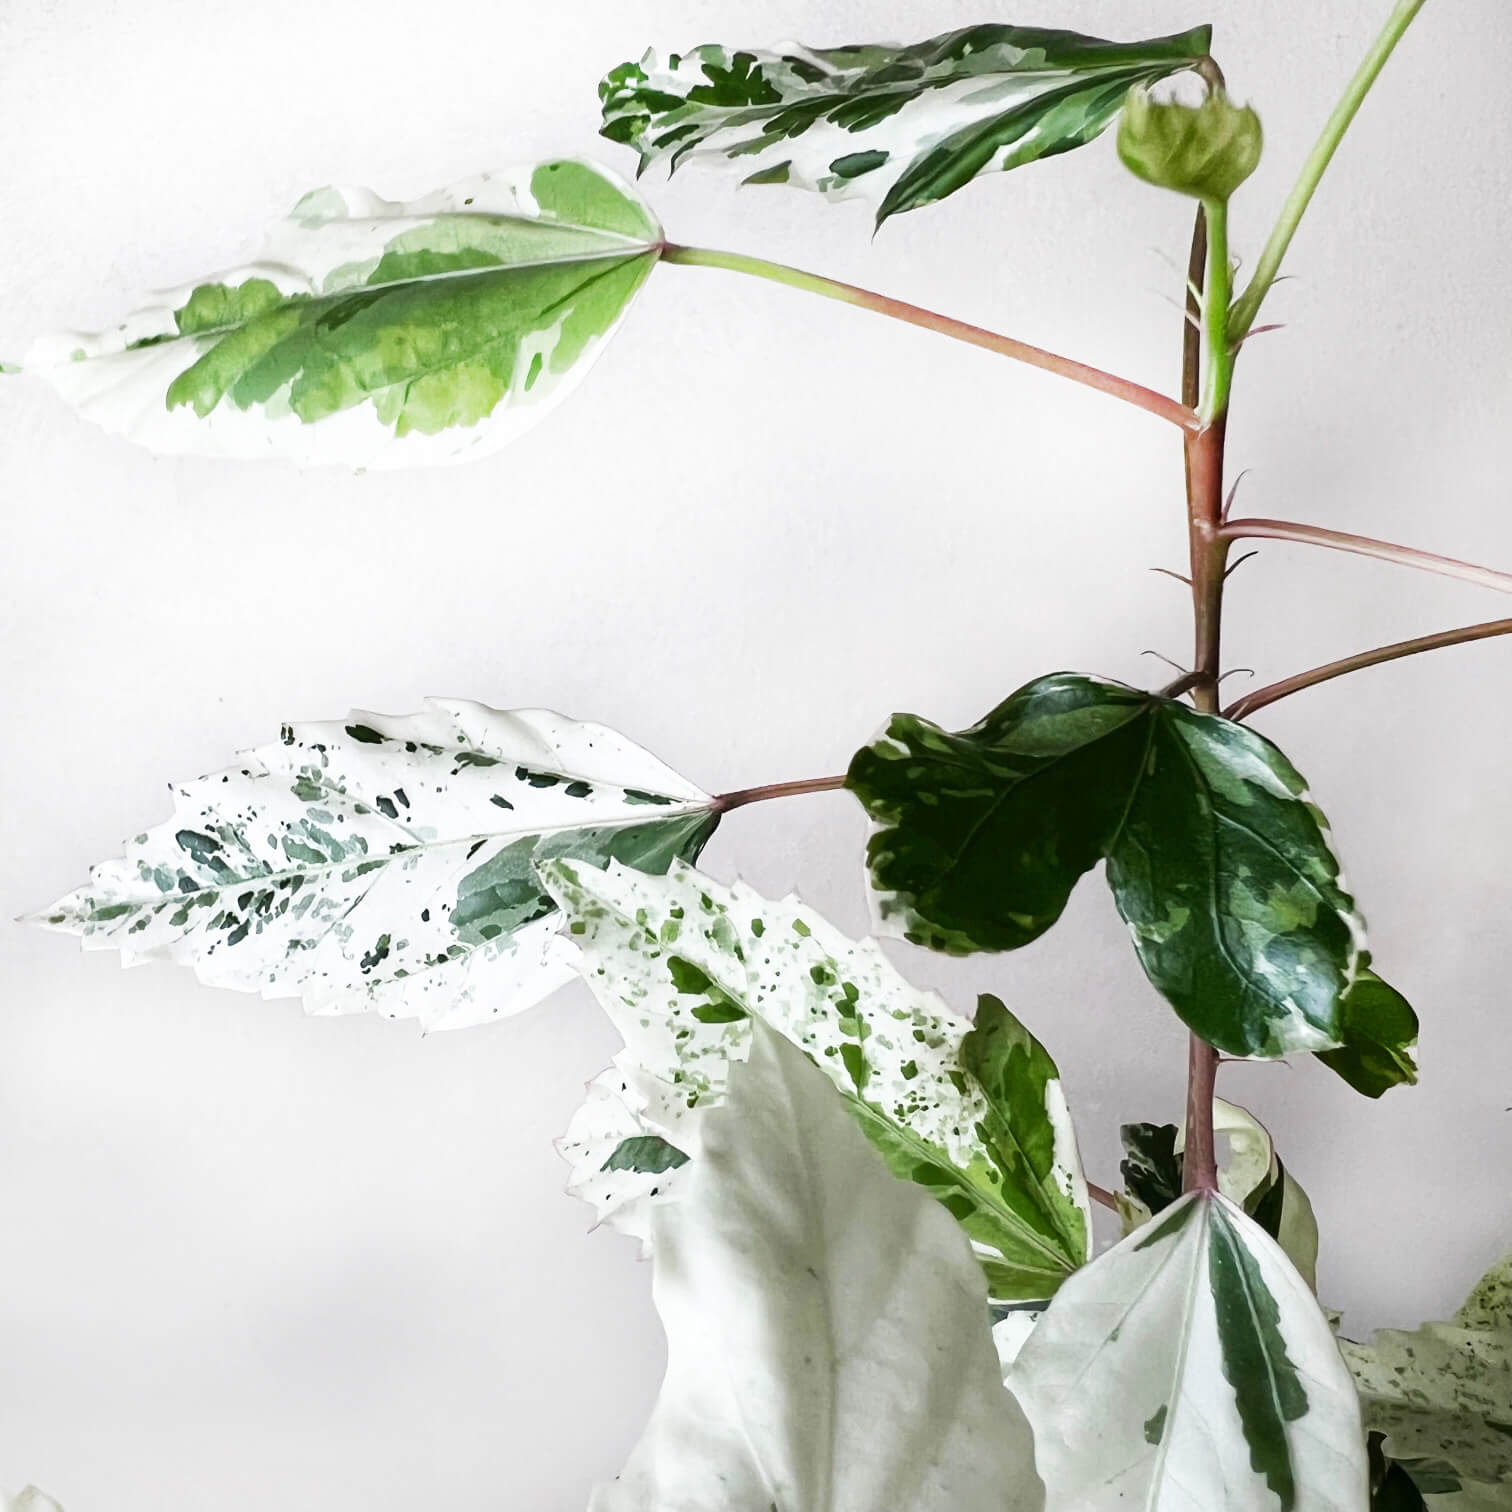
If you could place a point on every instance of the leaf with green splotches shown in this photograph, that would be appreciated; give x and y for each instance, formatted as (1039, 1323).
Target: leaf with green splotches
(681, 964)
(1219, 863)
(1190, 1367)
(1380, 1033)
(375, 333)
(1443, 1392)
(896, 126)
(827, 1329)
(387, 863)
(1250, 1173)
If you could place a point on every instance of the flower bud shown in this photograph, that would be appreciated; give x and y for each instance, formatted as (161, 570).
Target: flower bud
(1204, 150)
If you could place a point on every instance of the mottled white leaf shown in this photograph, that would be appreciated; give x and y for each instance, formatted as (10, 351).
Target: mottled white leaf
(377, 333)
(897, 126)
(681, 962)
(1444, 1391)
(828, 1347)
(1189, 1369)
(386, 863)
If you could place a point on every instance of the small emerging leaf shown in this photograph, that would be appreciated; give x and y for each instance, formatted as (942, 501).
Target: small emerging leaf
(1190, 1367)
(1204, 150)
(683, 965)
(827, 1331)
(897, 126)
(387, 863)
(1220, 864)
(375, 333)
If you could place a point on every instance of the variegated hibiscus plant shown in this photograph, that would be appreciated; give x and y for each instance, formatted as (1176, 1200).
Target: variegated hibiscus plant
(872, 1236)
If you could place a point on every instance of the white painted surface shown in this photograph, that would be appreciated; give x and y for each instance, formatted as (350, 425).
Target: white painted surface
(255, 1259)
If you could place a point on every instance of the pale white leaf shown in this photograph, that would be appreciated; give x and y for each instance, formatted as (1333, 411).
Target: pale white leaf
(1190, 1369)
(827, 1329)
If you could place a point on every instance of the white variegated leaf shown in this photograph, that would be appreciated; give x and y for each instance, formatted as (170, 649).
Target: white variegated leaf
(897, 126)
(1190, 1369)
(1444, 1391)
(376, 333)
(828, 1346)
(386, 863)
(681, 963)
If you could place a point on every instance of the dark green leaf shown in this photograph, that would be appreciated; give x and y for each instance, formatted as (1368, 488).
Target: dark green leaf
(646, 1153)
(1218, 862)
(899, 126)
(1151, 1167)
(1380, 1033)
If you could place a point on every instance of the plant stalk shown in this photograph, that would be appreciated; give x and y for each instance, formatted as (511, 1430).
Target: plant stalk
(742, 796)
(1242, 708)
(1005, 346)
(1208, 549)
(1269, 264)
(1385, 551)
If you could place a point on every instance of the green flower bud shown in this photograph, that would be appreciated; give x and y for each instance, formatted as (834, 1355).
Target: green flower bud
(1204, 150)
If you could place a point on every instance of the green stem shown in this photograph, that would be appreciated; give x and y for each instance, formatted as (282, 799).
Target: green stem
(1215, 314)
(1269, 265)
(1004, 346)
(1242, 708)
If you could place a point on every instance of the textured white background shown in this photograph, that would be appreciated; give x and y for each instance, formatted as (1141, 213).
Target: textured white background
(254, 1260)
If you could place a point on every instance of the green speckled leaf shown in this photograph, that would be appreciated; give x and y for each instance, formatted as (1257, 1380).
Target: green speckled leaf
(897, 126)
(1444, 1391)
(388, 863)
(1218, 861)
(375, 333)
(682, 963)
(827, 1331)
(1190, 1368)
(1380, 1033)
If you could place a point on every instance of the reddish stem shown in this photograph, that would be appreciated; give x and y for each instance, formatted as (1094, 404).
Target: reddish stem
(1242, 708)
(742, 796)
(1385, 551)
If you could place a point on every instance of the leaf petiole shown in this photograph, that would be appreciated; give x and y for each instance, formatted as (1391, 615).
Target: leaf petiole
(1242, 708)
(1005, 346)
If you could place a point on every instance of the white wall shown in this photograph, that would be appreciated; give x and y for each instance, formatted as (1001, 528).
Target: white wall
(252, 1259)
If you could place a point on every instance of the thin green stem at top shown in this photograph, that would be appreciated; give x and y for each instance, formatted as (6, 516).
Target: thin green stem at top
(1247, 306)
(1005, 346)
(1215, 315)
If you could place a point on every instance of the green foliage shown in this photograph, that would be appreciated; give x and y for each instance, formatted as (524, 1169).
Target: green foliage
(899, 127)
(425, 329)
(1218, 862)
(1379, 1033)
(1204, 150)
(684, 966)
